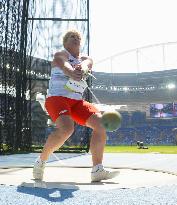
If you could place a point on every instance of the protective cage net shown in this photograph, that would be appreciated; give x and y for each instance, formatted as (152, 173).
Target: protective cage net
(32, 33)
(15, 114)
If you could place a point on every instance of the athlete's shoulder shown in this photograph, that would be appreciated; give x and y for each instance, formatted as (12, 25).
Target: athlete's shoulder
(61, 53)
(59, 58)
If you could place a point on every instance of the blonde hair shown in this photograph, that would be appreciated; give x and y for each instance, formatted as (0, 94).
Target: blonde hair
(71, 34)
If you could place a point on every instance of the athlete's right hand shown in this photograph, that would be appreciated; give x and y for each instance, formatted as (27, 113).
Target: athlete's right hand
(76, 74)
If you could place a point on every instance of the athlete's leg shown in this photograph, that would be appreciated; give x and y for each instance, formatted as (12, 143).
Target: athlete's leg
(55, 140)
(86, 114)
(98, 139)
(59, 110)
(97, 144)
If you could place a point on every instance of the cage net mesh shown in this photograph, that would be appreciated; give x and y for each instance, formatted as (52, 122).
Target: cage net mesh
(15, 114)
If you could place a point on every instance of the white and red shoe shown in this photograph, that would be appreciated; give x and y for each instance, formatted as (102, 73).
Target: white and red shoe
(99, 173)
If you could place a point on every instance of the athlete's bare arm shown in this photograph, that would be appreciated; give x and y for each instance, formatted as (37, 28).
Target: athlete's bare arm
(61, 60)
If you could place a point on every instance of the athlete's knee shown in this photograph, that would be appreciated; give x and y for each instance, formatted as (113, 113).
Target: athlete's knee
(95, 123)
(65, 125)
(67, 129)
(99, 129)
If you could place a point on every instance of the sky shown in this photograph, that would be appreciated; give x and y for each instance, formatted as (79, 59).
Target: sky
(121, 25)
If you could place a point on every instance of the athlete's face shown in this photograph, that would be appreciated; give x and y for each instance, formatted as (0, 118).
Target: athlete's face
(73, 44)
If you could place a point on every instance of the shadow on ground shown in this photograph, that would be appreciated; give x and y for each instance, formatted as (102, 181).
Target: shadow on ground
(54, 191)
(53, 195)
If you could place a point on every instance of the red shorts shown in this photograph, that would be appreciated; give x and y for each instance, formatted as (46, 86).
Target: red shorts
(79, 110)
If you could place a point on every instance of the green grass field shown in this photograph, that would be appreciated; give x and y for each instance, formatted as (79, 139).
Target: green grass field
(112, 149)
(134, 149)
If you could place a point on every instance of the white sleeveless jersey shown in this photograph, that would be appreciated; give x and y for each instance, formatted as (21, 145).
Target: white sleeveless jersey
(58, 80)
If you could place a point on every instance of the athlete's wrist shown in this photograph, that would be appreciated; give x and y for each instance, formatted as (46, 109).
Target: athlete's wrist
(67, 69)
